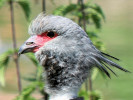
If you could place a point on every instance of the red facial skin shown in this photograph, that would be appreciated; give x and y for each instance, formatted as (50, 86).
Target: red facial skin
(40, 40)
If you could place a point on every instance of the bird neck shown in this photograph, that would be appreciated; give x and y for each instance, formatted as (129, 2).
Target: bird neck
(63, 96)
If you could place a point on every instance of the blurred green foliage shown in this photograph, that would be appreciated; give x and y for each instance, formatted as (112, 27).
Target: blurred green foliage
(24, 4)
(96, 95)
(2, 3)
(93, 17)
(5, 57)
(116, 34)
(4, 60)
(89, 13)
(26, 7)
(26, 93)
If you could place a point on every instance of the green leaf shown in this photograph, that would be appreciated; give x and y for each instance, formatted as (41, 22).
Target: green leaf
(94, 12)
(95, 16)
(2, 3)
(84, 94)
(26, 93)
(4, 58)
(99, 44)
(29, 79)
(32, 58)
(96, 95)
(103, 74)
(95, 7)
(39, 72)
(77, 14)
(59, 10)
(2, 76)
(63, 10)
(91, 34)
(99, 10)
(41, 86)
(25, 5)
(94, 74)
(97, 21)
(70, 8)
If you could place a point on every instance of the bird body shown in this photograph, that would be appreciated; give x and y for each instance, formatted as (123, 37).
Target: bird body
(67, 54)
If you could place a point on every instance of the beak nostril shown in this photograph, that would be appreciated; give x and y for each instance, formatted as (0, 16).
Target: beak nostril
(29, 43)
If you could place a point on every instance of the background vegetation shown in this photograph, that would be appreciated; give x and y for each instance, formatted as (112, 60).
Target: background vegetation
(116, 33)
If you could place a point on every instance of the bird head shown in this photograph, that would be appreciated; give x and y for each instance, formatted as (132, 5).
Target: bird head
(45, 29)
(60, 45)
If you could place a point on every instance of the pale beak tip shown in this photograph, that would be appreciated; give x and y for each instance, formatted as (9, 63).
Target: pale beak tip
(20, 52)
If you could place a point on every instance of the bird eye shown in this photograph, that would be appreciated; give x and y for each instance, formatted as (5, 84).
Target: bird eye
(29, 43)
(50, 34)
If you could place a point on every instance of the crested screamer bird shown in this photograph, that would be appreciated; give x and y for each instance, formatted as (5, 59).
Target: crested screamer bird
(67, 54)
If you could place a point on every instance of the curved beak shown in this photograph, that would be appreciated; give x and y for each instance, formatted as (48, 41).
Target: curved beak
(28, 46)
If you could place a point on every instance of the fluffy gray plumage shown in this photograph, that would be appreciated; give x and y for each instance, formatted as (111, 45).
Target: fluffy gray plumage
(69, 57)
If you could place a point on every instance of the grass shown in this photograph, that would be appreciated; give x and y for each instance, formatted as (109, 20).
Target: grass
(116, 34)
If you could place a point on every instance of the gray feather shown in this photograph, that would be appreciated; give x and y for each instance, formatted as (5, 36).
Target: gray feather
(69, 57)
(109, 68)
(110, 56)
(100, 66)
(109, 62)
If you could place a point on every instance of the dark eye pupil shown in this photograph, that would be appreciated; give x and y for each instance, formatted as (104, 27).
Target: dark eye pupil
(29, 43)
(50, 34)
